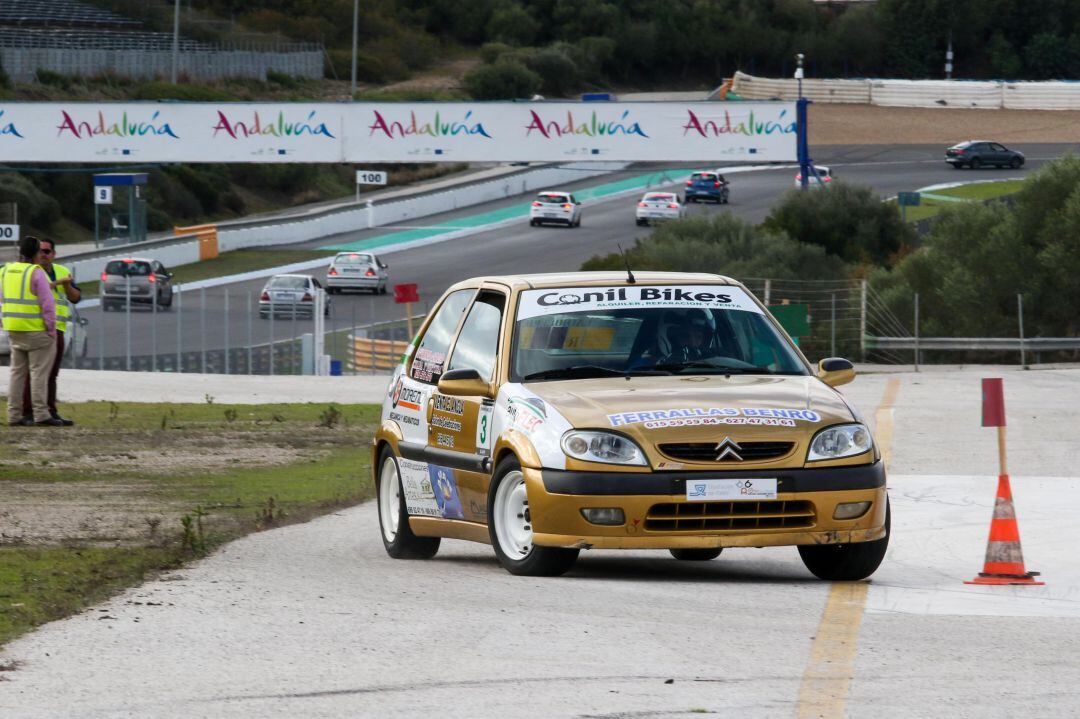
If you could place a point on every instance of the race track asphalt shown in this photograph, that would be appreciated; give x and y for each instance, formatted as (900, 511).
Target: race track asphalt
(518, 248)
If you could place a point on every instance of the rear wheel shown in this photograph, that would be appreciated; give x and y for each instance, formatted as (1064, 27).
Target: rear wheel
(976, 164)
(957, 166)
(510, 528)
(532, 223)
(847, 562)
(397, 536)
(695, 555)
(642, 223)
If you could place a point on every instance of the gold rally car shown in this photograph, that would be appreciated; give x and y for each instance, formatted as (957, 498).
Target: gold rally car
(546, 414)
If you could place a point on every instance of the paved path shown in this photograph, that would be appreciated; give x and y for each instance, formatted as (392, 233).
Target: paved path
(315, 619)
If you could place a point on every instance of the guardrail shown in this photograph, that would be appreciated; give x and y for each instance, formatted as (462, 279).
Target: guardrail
(1016, 344)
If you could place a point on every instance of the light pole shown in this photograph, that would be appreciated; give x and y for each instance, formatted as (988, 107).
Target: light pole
(355, 30)
(800, 118)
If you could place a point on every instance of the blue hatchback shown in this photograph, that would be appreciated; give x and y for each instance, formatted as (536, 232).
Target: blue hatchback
(708, 186)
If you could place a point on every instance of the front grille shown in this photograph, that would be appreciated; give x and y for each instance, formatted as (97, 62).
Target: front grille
(729, 516)
(707, 452)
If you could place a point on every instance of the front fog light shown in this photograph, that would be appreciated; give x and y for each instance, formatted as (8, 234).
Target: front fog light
(610, 516)
(850, 510)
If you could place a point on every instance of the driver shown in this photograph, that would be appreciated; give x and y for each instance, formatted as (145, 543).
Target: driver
(689, 338)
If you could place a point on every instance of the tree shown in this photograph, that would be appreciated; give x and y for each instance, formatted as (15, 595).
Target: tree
(1047, 57)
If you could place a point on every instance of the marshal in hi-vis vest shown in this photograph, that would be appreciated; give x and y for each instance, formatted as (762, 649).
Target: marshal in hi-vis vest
(20, 310)
(63, 307)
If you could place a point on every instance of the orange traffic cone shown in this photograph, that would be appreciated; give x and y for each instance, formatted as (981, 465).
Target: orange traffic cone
(1004, 559)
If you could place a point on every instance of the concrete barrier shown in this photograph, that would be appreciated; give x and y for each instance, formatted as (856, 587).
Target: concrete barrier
(993, 94)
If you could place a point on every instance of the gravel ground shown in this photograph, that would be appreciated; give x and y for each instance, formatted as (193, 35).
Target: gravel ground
(870, 124)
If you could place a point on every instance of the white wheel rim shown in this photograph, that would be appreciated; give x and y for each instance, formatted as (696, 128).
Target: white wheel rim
(389, 499)
(513, 523)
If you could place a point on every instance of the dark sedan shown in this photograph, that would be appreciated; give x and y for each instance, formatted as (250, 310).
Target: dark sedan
(982, 153)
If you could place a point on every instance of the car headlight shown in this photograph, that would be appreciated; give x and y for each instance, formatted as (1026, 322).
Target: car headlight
(606, 447)
(843, 440)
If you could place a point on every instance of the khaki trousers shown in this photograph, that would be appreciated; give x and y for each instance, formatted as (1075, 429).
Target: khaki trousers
(32, 353)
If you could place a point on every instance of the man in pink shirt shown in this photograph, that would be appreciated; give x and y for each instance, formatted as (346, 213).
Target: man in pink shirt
(28, 312)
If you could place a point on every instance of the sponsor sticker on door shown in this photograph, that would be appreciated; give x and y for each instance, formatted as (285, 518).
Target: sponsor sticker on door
(746, 489)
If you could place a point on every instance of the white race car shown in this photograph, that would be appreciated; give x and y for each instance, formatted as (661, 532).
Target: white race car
(659, 206)
(557, 207)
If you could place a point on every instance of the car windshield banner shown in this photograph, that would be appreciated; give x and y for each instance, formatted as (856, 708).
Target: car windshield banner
(560, 300)
(386, 132)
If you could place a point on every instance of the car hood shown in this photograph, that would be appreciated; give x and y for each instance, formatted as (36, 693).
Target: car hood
(701, 408)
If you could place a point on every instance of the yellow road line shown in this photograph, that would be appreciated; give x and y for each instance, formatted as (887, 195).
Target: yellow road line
(825, 683)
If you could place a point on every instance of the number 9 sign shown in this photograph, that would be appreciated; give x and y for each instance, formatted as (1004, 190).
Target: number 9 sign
(102, 195)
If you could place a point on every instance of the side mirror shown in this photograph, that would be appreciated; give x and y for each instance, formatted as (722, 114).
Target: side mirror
(465, 382)
(835, 371)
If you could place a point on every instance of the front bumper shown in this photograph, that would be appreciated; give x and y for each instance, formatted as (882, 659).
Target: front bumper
(556, 499)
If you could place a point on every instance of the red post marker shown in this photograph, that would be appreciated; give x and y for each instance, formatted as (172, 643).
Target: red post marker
(406, 294)
(993, 402)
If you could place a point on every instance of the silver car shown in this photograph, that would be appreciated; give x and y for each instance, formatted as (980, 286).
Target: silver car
(357, 271)
(290, 295)
(142, 279)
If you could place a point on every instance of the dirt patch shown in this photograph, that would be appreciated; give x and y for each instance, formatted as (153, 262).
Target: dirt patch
(873, 125)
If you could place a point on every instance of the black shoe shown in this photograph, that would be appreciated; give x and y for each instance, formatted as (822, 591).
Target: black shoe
(26, 421)
(50, 422)
(63, 421)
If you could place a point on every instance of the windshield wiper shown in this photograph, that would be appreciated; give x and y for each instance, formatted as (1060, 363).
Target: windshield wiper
(590, 370)
(719, 369)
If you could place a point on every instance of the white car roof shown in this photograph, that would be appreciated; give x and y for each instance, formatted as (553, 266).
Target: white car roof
(554, 192)
(306, 277)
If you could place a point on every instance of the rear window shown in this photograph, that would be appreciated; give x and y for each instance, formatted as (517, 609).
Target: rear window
(288, 283)
(352, 259)
(659, 197)
(703, 177)
(130, 269)
(558, 199)
(961, 146)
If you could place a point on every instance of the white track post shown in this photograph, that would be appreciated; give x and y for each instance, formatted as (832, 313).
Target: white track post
(916, 331)
(127, 329)
(1020, 317)
(225, 312)
(179, 328)
(862, 320)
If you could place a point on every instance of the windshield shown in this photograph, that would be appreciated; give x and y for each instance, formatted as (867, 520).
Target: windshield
(352, 259)
(578, 332)
(703, 177)
(288, 283)
(133, 269)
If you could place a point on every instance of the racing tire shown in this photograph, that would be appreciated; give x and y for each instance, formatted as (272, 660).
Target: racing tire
(532, 223)
(957, 166)
(382, 290)
(847, 562)
(510, 528)
(642, 223)
(976, 164)
(398, 538)
(1016, 162)
(696, 555)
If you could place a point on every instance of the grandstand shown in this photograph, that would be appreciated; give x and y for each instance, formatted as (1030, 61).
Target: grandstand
(66, 13)
(74, 38)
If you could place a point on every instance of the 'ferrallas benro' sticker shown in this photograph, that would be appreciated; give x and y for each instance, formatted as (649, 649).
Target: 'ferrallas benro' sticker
(556, 300)
(695, 416)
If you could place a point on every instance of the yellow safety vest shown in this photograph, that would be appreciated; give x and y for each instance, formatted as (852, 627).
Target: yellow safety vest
(20, 311)
(63, 307)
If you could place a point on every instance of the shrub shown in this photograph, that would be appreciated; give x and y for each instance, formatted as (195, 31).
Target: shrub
(849, 221)
(155, 90)
(726, 245)
(503, 80)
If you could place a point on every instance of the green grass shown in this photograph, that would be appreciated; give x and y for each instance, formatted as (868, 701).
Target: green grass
(974, 192)
(229, 263)
(38, 585)
(233, 469)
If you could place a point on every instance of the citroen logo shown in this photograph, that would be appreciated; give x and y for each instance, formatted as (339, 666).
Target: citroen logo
(727, 449)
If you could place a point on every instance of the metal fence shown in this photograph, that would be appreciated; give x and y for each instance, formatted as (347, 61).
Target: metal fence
(221, 330)
(225, 331)
(22, 58)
